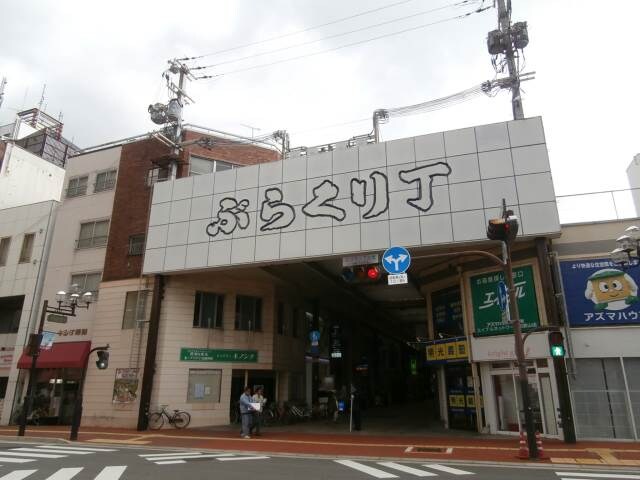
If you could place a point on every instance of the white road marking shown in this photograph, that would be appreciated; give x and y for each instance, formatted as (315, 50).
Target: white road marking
(86, 449)
(242, 458)
(110, 473)
(50, 450)
(374, 472)
(151, 455)
(16, 460)
(406, 469)
(170, 462)
(65, 473)
(189, 457)
(444, 468)
(17, 474)
(596, 475)
(35, 455)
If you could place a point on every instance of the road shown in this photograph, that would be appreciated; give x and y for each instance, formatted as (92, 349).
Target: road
(40, 461)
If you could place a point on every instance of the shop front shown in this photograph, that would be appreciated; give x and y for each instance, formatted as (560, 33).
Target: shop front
(58, 376)
(603, 335)
(493, 349)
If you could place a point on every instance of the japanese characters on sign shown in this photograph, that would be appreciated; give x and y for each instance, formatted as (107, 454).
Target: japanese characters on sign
(487, 316)
(447, 350)
(597, 293)
(211, 355)
(72, 332)
(446, 309)
(278, 214)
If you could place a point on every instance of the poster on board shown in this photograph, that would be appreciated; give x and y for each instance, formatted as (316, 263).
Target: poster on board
(125, 387)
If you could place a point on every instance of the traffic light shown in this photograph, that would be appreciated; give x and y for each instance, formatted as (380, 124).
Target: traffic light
(556, 344)
(502, 229)
(362, 273)
(103, 359)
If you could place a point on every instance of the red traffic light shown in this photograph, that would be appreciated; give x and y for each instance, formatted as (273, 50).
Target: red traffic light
(373, 272)
(503, 230)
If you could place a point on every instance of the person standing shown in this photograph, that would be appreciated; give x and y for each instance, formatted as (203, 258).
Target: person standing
(258, 397)
(246, 412)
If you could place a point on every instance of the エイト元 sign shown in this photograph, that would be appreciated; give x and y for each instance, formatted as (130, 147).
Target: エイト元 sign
(212, 355)
(487, 316)
(598, 293)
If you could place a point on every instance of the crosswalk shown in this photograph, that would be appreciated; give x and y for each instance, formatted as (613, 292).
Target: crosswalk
(111, 472)
(594, 476)
(183, 457)
(394, 469)
(39, 452)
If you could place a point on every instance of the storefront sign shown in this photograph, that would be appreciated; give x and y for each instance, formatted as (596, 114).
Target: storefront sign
(336, 342)
(365, 197)
(487, 316)
(125, 386)
(447, 350)
(47, 340)
(599, 294)
(446, 308)
(210, 355)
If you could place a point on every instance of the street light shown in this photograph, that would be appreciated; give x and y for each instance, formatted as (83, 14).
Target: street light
(67, 305)
(627, 253)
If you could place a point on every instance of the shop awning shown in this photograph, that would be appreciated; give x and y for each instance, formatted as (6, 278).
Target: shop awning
(60, 355)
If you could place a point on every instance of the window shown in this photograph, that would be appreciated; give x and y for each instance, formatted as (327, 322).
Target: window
(208, 310)
(27, 248)
(87, 282)
(77, 186)
(5, 243)
(135, 307)
(282, 321)
(10, 313)
(93, 234)
(136, 244)
(204, 385)
(105, 180)
(202, 166)
(158, 174)
(248, 313)
(3, 386)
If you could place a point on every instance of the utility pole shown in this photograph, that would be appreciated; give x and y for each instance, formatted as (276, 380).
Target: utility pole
(507, 40)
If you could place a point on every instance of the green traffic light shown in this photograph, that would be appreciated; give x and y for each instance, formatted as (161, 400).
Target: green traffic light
(557, 351)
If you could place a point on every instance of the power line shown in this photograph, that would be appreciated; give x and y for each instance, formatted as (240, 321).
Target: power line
(337, 35)
(379, 37)
(333, 22)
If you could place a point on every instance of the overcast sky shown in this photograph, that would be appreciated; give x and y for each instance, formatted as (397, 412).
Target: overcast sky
(102, 64)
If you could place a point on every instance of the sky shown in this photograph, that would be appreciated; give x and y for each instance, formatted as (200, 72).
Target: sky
(102, 64)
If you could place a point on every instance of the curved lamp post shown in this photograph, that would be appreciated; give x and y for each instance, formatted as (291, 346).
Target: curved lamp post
(67, 305)
(627, 252)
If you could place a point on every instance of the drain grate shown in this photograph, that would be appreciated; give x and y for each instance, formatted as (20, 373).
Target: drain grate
(429, 450)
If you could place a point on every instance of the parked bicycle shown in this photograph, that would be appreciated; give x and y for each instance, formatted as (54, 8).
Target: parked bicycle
(179, 418)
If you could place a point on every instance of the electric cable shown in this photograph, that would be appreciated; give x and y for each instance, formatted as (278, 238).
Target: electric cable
(340, 47)
(333, 22)
(337, 35)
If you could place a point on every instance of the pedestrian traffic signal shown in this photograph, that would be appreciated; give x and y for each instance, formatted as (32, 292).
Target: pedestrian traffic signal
(103, 359)
(362, 273)
(556, 344)
(503, 229)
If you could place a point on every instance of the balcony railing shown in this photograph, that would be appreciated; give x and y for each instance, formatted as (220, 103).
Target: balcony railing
(598, 206)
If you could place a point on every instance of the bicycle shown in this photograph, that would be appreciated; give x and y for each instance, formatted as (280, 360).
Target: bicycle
(179, 419)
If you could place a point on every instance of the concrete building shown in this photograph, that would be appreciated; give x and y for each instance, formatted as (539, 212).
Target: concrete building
(244, 272)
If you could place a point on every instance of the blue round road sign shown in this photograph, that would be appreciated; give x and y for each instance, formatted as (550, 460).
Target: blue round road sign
(396, 260)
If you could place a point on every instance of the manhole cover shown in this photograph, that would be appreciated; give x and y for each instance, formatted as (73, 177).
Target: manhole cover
(429, 450)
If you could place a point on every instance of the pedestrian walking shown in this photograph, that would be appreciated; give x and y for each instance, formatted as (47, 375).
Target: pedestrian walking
(258, 398)
(246, 412)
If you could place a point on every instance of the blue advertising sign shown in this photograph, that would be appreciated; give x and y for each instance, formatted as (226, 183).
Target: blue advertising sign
(396, 260)
(598, 293)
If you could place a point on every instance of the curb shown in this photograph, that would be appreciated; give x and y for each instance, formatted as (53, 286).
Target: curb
(12, 439)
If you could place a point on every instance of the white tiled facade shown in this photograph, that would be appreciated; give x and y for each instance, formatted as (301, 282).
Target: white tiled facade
(485, 164)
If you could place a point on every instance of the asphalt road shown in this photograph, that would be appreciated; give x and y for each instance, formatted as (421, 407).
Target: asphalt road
(39, 461)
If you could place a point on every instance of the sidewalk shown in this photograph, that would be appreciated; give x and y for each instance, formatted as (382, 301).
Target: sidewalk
(471, 447)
